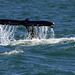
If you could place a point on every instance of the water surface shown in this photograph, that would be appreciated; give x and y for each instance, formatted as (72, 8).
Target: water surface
(50, 56)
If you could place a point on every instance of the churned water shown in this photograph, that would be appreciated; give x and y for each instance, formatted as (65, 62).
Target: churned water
(52, 52)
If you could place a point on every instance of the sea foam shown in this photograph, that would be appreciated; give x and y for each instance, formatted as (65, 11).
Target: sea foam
(13, 52)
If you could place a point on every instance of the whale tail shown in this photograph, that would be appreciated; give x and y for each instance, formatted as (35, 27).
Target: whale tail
(27, 23)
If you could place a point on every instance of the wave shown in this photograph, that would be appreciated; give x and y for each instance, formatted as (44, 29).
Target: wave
(35, 42)
(13, 52)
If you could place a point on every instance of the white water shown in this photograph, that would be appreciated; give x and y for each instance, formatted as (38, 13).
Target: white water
(7, 37)
(13, 52)
(35, 42)
(6, 34)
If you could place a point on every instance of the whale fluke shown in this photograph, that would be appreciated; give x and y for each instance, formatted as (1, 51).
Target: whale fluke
(26, 22)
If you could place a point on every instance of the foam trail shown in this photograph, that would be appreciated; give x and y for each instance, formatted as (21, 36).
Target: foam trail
(37, 41)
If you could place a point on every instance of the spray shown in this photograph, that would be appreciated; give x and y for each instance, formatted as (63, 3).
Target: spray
(6, 34)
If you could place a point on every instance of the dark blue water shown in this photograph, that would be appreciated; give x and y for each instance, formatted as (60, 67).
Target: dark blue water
(52, 56)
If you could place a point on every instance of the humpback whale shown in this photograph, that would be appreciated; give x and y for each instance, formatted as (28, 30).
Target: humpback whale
(27, 23)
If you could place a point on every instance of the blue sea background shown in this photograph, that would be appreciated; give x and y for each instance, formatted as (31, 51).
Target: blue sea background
(53, 56)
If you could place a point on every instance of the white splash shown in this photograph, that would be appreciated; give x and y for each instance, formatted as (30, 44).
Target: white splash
(35, 42)
(6, 34)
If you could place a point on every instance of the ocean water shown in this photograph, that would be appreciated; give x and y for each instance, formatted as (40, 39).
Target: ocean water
(53, 54)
